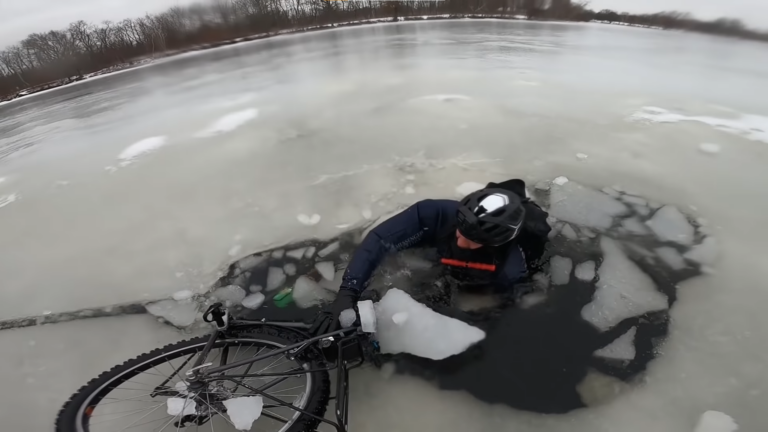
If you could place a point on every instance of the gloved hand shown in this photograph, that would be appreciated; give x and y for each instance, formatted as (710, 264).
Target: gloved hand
(327, 320)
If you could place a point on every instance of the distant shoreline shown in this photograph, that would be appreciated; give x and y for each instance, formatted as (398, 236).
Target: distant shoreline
(168, 55)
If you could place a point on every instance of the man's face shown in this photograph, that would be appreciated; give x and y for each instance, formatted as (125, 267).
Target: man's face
(466, 243)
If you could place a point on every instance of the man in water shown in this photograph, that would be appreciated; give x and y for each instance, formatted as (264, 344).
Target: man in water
(490, 238)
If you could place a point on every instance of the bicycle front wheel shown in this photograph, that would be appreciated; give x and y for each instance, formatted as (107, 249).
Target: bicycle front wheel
(133, 397)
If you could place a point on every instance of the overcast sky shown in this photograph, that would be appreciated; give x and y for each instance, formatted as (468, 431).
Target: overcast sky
(18, 18)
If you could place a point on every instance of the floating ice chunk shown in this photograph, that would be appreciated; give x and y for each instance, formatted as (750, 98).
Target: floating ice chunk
(543, 185)
(278, 253)
(704, 253)
(243, 411)
(560, 270)
(581, 156)
(588, 233)
(623, 290)
(580, 205)
(179, 314)
(367, 213)
(290, 269)
(183, 295)
(231, 295)
(532, 299)
(7, 199)
(560, 180)
(623, 348)
(400, 318)
(670, 224)
(253, 301)
(275, 278)
(425, 334)
(326, 269)
(180, 406)
(250, 262)
(671, 257)
(568, 232)
(142, 147)
(310, 252)
(716, 421)
(308, 293)
(296, 254)
(335, 284)
(409, 189)
(597, 388)
(255, 288)
(347, 318)
(634, 226)
(331, 248)
(228, 123)
(467, 188)
(631, 199)
(585, 271)
(709, 148)
(309, 220)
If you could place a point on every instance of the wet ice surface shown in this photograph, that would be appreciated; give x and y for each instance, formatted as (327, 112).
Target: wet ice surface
(124, 236)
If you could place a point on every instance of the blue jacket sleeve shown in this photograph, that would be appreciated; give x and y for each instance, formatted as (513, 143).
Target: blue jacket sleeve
(415, 226)
(514, 270)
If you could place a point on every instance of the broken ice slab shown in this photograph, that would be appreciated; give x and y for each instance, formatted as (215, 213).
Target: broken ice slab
(326, 269)
(230, 295)
(704, 253)
(671, 257)
(669, 224)
(642, 210)
(310, 252)
(568, 232)
(588, 233)
(623, 348)
(560, 180)
(183, 295)
(623, 290)
(716, 421)
(634, 226)
(425, 333)
(631, 199)
(308, 293)
(250, 262)
(331, 248)
(585, 271)
(577, 204)
(335, 284)
(560, 270)
(290, 268)
(296, 254)
(255, 288)
(178, 314)
(253, 301)
(278, 253)
(275, 278)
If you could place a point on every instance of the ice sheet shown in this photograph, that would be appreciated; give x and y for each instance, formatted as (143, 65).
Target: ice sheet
(467, 188)
(623, 290)
(425, 333)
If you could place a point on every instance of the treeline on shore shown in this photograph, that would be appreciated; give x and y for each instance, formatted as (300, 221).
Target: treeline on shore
(57, 57)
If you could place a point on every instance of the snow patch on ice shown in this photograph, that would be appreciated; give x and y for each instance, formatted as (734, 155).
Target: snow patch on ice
(142, 147)
(750, 126)
(243, 411)
(716, 421)
(623, 290)
(623, 348)
(669, 224)
(409, 190)
(253, 301)
(179, 314)
(308, 293)
(581, 156)
(560, 270)
(326, 269)
(560, 180)
(309, 220)
(425, 333)
(446, 97)
(467, 188)
(228, 123)
(7, 199)
(580, 205)
(709, 148)
(275, 278)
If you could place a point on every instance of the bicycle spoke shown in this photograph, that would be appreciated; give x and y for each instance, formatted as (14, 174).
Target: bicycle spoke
(140, 419)
(177, 415)
(274, 416)
(127, 413)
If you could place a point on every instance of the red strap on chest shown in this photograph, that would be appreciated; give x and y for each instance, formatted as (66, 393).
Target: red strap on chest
(465, 264)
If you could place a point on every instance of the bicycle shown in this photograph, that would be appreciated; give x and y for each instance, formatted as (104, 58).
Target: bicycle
(205, 386)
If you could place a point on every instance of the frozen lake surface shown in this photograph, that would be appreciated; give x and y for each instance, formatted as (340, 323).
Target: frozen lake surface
(145, 183)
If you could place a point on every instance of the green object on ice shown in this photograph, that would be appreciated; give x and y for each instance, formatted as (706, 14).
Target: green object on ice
(283, 298)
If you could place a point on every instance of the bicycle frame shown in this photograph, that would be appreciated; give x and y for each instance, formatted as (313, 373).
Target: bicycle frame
(199, 374)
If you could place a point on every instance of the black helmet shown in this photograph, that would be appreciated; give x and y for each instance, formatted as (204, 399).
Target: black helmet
(490, 216)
